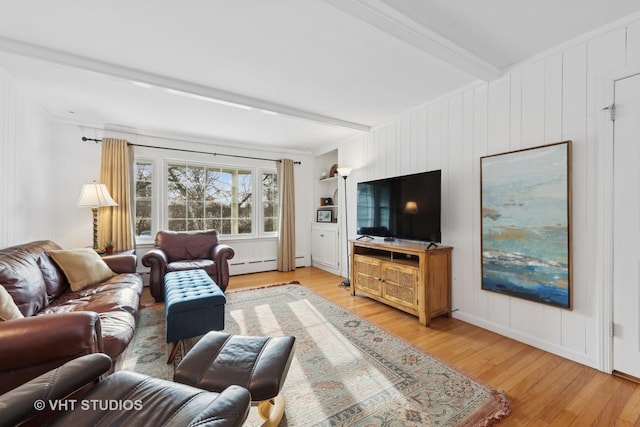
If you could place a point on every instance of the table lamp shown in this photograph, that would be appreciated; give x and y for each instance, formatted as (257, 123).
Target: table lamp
(95, 196)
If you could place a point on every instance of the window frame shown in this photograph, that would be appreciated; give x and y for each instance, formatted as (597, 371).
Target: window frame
(259, 173)
(154, 197)
(160, 187)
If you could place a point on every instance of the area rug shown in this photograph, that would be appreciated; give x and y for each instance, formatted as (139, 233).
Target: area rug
(346, 371)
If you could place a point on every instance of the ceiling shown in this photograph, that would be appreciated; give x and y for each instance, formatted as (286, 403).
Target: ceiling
(292, 74)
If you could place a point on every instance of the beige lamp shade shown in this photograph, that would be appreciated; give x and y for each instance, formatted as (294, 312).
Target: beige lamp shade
(344, 171)
(95, 195)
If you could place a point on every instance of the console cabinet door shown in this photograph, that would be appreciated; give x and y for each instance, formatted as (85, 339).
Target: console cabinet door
(367, 273)
(401, 284)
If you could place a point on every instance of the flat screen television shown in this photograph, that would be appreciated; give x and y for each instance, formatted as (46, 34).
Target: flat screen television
(401, 207)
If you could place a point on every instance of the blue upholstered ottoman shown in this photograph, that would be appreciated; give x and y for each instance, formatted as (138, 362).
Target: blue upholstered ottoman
(194, 305)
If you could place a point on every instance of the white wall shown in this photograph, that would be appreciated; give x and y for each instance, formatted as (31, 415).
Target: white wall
(26, 171)
(555, 97)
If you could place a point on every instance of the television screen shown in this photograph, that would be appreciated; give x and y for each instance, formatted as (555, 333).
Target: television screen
(403, 207)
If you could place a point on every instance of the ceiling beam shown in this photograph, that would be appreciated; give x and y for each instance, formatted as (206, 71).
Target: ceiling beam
(177, 86)
(390, 21)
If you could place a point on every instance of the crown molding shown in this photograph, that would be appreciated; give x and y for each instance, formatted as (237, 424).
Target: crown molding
(390, 21)
(138, 76)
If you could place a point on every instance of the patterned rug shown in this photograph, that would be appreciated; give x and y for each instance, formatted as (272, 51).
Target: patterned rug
(346, 371)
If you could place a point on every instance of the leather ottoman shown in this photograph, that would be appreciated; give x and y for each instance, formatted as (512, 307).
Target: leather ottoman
(259, 364)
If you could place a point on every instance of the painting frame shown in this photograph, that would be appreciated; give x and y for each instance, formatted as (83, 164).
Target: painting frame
(324, 215)
(525, 210)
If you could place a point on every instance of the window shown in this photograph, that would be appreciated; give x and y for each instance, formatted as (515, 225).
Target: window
(143, 173)
(204, 197)
(270, 202)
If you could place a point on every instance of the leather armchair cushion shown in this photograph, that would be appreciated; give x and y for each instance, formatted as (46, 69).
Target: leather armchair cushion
(184, 246)
(81, 266)
(207, 265)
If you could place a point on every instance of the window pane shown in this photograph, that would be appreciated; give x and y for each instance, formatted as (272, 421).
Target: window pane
(195, 225)
(143, 227)
(270, 202)
(177, 225)
(203, 198)
(143, 175)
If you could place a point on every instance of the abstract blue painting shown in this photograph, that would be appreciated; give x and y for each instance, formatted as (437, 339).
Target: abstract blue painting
(526, 223)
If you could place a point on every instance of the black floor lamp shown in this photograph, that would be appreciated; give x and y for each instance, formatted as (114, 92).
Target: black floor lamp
(345, 171)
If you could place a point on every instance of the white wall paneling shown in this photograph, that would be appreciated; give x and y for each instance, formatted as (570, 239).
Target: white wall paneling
(574, 126)
(27, 177)
(7, 161)
(550, 99)
(605, 55)
(633, 45)
(468, 184)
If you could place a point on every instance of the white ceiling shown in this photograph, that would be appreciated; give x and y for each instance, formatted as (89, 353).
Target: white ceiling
(328, 68)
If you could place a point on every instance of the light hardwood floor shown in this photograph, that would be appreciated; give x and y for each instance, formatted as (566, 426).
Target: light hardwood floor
(543, 389)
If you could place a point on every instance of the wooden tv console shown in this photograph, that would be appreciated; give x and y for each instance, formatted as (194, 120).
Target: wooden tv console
(404, 275)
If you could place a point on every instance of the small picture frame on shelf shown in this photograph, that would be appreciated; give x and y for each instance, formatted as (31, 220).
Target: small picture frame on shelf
(324, 216)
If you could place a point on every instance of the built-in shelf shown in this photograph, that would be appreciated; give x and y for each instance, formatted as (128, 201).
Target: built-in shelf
(330, 179)
(325, 248)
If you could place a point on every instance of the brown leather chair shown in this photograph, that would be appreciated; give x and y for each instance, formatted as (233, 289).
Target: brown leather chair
(121, 398)
(175, 251)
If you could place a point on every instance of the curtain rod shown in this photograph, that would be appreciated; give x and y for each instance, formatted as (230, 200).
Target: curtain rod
(84, 138)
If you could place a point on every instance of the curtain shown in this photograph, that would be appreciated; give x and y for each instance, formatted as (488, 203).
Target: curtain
(287, 226)
(116, 172)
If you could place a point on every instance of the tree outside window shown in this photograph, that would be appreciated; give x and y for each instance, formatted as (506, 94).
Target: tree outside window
(202, 198)
(270, 202)
(143, 172)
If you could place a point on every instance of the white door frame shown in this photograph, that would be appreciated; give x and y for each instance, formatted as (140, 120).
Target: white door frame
(604, 250)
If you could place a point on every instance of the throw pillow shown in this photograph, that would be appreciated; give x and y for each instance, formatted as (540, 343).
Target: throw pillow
(8, 309)
(83, 267)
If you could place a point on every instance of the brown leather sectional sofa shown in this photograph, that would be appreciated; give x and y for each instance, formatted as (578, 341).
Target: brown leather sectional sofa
(60, 324)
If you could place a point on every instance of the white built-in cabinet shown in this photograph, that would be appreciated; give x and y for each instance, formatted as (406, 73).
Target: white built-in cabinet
(325, 238)
(325, 249)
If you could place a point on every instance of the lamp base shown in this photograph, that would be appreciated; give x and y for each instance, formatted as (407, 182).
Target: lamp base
(345, 283)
